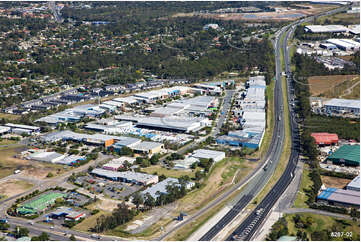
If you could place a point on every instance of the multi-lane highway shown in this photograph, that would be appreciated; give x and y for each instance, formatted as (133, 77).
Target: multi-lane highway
(253, 221)
(249, 226)
(255, 185)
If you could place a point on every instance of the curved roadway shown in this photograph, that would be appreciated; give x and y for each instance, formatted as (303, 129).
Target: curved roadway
(249, 226)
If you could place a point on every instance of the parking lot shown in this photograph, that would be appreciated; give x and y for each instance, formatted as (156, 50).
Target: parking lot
(112, 189)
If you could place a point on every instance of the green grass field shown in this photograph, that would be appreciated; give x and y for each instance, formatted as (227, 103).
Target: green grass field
(7, 142)
(320, 222)
(9, 116)
(345, 18)
(168, 172)
(306, 183)
(90, 221)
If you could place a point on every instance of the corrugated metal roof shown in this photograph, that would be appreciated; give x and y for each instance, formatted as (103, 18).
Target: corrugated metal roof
(325, 138)
(347, 153)
(354, 184)
(340, 195)
(343, 103)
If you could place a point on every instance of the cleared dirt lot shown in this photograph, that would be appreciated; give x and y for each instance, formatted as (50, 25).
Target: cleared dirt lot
(323, 84)
(13, 187)
(32, 169)
(336, 182)
(282, 13)
(8, 163)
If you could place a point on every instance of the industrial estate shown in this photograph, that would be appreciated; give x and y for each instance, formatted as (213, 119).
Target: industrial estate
(191, 121)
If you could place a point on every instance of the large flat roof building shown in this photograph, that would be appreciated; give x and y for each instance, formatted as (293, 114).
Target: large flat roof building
(147, 147)
(51, 157)
(32, 129)
(348, 155)
(343, 105)
(326, 28)
(209, 154)
(339, 197)
(175, 124)
(354, 184)
(160, 188)
(126, 176)
(4, 129)
(325, 138)
(345, 44)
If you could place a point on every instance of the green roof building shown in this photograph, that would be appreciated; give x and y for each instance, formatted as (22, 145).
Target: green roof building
(348, 155)
(39, 204)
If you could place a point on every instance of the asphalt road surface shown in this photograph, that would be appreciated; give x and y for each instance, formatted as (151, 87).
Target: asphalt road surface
(250, 225)
(273, 155)
(56, 232)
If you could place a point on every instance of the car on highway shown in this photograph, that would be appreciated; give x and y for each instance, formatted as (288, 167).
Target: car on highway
(259, 211)
(95, 236)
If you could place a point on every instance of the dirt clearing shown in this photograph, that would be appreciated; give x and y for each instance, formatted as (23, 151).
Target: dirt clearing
(330, 181)
(13, 187)
(322, 84)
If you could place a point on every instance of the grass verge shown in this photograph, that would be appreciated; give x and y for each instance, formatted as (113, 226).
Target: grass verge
(168, 172)
(281, 166)
(319, 223)
(306, 183)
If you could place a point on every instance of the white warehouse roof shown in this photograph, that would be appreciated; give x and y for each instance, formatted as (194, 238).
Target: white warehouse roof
(326, 28)
(181, 124)
(354, 184)
(343, 103)
(160, 187)
(22, 126)
(209, 154)
(4, 129)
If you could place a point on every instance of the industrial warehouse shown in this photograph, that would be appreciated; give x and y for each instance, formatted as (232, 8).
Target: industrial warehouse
(127, 176)
(354, 185)
(111, 142)
(348, 155)
(325, 138)
(249, 113)
(339, 197)
(327, 29)
(342, 106)
(161, 188)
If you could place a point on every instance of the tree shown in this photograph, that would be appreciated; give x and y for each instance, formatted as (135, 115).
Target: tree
(42, 237)
(322, 235)
(137, 199)
(4, 226)
(90, 168)
(154, 159)
(198, 175)
(145, 163)
(149, 201)
(21, 232)
(125, 151)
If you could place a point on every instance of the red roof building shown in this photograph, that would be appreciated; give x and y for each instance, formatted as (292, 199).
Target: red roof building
(325, 138)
